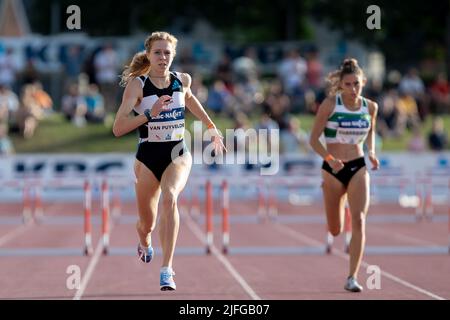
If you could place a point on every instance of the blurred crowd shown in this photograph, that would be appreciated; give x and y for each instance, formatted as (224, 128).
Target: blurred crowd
(238, 88)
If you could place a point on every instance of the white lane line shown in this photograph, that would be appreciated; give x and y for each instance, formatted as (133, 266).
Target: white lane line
(92, 264)
(227, 264)
(14, 233)
(90, 270)
(300, 236)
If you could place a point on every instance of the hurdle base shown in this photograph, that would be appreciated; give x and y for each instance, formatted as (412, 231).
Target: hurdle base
(88, 251)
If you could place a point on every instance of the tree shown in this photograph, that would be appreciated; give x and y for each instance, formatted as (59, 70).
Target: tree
(410, 30)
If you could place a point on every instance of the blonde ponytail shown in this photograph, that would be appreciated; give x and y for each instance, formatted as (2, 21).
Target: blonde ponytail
(139, 65)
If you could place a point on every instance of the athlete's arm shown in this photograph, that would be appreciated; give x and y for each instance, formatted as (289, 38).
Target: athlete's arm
(192, 102)
(320, 121)
(197, 110)
(324, 112)
(123, 123)
(373, 110)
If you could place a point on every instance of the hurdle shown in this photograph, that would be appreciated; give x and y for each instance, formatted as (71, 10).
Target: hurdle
(347, 228)
(26, 208)
(105, 216)
(419, 195)
(225, 217)
(209, 217)
(38, 207)
(347, 233)
(87, 218)
(273, 204)
(428, 210)
(116, 206)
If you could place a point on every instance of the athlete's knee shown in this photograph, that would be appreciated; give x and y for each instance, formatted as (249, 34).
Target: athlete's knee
(169, 199)
(358, 221)
(146, 226)
(335, 230)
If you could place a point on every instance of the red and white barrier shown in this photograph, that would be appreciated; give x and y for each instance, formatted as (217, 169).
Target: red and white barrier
(87, 219)
(428, 200)
(116, 209)
(26, 199)
(330, 240)
(105, 217)
(273, 203)
(225, 217)
(209, 217)
(38, 208)
(347, 228)
(195, 203)
(419, 195)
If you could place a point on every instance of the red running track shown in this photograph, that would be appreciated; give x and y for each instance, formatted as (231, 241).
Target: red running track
(262, 263)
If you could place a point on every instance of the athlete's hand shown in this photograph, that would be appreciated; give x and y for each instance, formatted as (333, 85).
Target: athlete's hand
(374, 160)
(217, 140)
(161, 104)
(336, 165)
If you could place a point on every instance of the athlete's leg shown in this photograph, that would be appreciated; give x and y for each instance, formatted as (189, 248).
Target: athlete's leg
(173, 181)
(334, 201)
(147, 193)
(358, 193)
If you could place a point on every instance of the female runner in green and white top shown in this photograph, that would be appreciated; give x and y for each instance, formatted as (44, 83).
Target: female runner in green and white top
(347, 120)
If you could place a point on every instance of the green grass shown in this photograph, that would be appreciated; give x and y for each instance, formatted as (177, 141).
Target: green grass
(56, 135)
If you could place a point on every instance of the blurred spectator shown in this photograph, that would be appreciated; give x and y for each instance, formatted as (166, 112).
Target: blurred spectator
(292, 71)
(199, 89)
(43, 99)
(277, 104)
(224, 72)
(246, 67)
(374, 90)
(417, 142)
(314, 71)
(74, 106)
(8, 69)
(440, 94)
(9, 106)
(186, 61)
(408, 113)
(95, 107)
(240, 122)
(88, 67)
(4, 113)
(73, 61)
(30, 73)
(437, 138)
(29, 112)
(387, 114)
(247, 95)
(106, 63)
(411, 84)
(6, 146)
(219, 98)
(266, 123)
(294, 139)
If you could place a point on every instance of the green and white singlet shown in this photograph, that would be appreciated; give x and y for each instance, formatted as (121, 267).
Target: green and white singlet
(346, 126)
